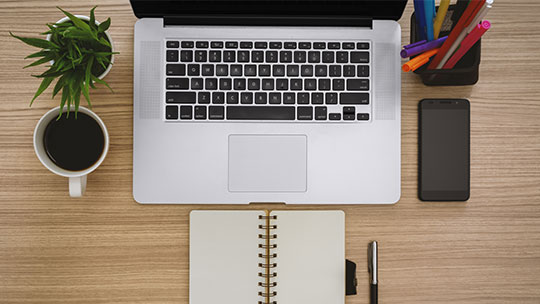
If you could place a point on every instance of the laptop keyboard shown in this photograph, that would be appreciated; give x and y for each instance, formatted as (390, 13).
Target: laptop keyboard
(267, 81)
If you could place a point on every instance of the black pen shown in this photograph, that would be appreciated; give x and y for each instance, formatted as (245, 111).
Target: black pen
(372, 268)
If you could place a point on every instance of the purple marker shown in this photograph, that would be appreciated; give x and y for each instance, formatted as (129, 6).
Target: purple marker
(414, 44)
(423, 47)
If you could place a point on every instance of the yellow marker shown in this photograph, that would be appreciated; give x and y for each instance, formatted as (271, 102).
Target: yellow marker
(441, 14)
(418, 61)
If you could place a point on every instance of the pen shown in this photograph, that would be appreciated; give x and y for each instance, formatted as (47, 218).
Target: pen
(372, 268)
(467, 43)
(429, 13)
(481, 14)
(409, 51)
(420, 18)
(441, 14)
(418, 61)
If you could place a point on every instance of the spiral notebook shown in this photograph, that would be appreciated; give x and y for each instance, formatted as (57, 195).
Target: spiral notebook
(260, 257)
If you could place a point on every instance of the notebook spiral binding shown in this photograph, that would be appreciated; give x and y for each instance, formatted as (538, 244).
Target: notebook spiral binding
(266, 237)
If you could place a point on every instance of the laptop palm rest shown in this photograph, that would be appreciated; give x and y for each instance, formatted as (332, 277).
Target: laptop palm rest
(267, 163)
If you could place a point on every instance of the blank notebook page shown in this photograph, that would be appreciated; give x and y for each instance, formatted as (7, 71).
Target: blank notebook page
(310, 257)
(224, 257)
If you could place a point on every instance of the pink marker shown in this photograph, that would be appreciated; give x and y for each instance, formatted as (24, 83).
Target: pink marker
(467, 43)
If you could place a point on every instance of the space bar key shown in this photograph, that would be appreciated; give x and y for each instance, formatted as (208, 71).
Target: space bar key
(260, 113)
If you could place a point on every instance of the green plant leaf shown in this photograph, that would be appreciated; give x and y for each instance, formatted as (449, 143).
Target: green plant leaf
(77, 100)
(94, 78)
(39, 61)
(92, 22)
(41, 53)
(36, 42)
(104, 42)
(42, 87)
(104, 25)
(76, 21)
(59, 85)
(63, 101)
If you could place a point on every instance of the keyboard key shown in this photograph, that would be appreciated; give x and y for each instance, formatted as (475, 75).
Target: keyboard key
(222, 70)
(186, 112)
(278, 70)
(216, 112)
(349, 110)
(321, 113)
(180, 97)
(307, 70)
(268, 84)
(236, 70)
(304, 113)
(246, 98)
(334, 45)
(314, 56)
(172, 56)
(214, 56)
(293, 70)
(342, 57)
(328, 57)
(302, 98)
(290, 45)
(354, 98)
(200, 112)
(319, 45)
(324, 85)
(299, 56)
(275, 98)
(250, 70)
(261, 45)
(193, 70)
(216, 44)
(260, 113)
(204, 98)
(282, 84)
(359, 57)
(171, 112)
(362, 116)
(257, 56)
(218, 98)
(173, 44)
(296, 84)
(207, 70)
(186, 56)
(225, 84)
(362, 45)
(348, 116)
(363, 71)
(349, 70)
(271, 56)
(200, 56)
(231, 45)
(243, 56)
(347, 45)
(246, 45)
(176, 69)
(261, 98)
(202, 44)
(229, 56)
(239, 84)
(321, 70)
(211, 84)
(285, 56)
(334, 71)
(276, 45)
(177, 83)
(254, 84)
(358, 84)
(331, 98)
(317, 98)
(335, 116)
(196, 83)
(288, 98)
(264, 70)
(310, 84)
(232, 98)
(338, 84)
(304, 45)
(187, 44)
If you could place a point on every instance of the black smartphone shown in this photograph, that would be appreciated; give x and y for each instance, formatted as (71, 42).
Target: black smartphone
(444, 150)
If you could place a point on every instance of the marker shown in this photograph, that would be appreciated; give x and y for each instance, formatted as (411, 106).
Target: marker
(441, 14)
(418, 61)
(481, 14)
(429, 9)
(420, 18)
(418, 49)
(467, 43)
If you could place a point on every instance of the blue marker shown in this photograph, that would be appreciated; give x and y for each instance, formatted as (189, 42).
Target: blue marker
(420, 18)
(429, 10)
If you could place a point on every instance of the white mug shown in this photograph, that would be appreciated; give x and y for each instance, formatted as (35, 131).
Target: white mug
(77, 179)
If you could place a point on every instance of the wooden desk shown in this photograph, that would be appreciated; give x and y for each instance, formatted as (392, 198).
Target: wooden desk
(105, 248)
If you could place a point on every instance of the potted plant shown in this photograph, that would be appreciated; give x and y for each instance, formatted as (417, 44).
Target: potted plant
(80, 53)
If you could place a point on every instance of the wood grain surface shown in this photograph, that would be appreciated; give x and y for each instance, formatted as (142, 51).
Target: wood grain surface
(106, 248)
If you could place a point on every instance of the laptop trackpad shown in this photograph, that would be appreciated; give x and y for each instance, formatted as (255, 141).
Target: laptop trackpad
(267, 163)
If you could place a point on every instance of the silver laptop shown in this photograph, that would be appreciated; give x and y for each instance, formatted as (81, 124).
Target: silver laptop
(266, 101)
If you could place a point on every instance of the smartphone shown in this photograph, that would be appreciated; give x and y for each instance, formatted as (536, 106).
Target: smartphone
(444, 150)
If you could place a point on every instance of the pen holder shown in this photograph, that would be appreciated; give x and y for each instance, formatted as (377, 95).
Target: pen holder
(464, 73)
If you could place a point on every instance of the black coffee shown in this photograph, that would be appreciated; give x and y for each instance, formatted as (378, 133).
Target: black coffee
(74, 144)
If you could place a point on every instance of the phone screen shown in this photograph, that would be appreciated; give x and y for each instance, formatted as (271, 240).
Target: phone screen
(444, 149)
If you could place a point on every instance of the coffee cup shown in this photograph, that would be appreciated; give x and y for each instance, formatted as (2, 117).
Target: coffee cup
(72, 147)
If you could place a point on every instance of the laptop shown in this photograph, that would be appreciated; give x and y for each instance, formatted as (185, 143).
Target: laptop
(239, 102)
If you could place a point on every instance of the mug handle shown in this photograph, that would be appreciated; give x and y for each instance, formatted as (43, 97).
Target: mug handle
(77, 186)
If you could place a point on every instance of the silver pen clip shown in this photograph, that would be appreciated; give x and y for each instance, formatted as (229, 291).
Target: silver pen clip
(372, 262)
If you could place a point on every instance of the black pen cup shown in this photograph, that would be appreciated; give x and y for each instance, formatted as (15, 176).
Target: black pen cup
(465, 72)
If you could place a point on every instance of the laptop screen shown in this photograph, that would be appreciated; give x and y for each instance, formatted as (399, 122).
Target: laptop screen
(376, 9)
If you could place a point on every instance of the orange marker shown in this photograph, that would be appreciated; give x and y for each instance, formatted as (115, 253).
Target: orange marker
(419, 60)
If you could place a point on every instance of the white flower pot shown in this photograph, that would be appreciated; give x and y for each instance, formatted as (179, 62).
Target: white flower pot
(82, 17)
